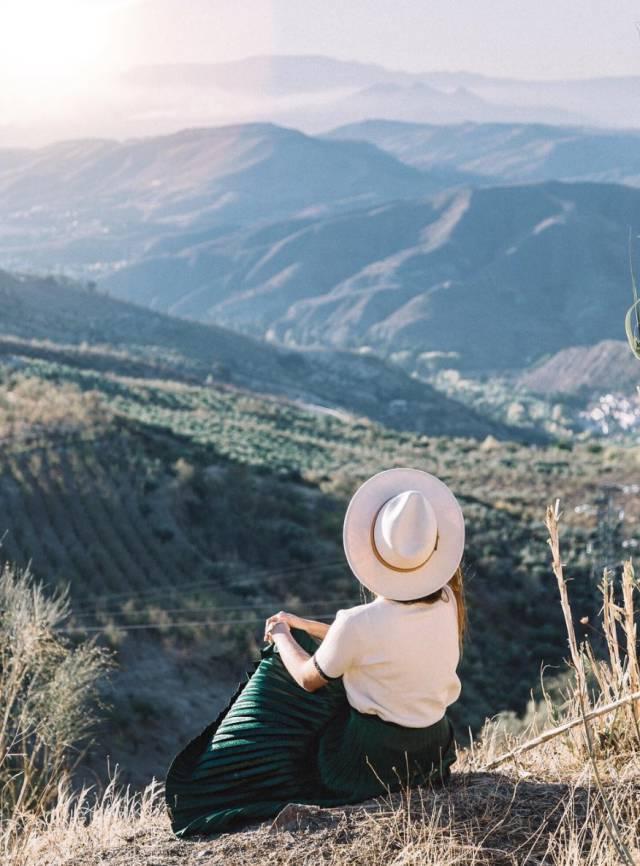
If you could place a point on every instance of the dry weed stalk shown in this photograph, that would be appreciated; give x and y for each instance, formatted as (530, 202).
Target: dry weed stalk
(552, 519)
(560, 729)
(47, 690)
(81, 823)
(611, 613)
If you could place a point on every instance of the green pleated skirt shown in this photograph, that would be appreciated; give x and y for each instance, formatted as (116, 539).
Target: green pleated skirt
(276, 744)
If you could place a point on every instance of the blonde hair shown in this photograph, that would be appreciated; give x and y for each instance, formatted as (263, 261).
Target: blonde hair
(457, 585)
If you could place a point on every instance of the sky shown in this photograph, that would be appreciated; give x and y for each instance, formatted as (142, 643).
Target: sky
(515, 38)
(57, 52)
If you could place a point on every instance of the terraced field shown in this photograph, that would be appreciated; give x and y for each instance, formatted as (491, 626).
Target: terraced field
(183, 514)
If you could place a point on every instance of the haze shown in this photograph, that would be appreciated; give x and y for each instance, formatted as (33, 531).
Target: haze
(63, 66)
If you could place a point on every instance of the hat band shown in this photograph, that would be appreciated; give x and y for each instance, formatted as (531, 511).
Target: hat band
(384, 561)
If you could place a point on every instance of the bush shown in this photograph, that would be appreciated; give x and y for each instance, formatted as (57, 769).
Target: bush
(48, 694)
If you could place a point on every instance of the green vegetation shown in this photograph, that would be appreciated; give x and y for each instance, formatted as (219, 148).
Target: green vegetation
(566, 795)
(164, 505)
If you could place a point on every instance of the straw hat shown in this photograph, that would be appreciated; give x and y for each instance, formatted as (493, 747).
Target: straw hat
(403, 533)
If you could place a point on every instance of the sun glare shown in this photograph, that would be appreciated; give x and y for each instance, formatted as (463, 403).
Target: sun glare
(44, 41)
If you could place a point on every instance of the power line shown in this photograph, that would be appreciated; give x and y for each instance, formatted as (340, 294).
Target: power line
(221, 607)
(173, 590)
(140, 626)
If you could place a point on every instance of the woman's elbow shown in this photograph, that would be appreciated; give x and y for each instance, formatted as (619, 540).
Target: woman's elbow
(312, 683)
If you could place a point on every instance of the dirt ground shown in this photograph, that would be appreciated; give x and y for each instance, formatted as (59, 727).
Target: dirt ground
(478, 818)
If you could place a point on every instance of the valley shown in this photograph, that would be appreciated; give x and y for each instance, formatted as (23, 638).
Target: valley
(181, 511)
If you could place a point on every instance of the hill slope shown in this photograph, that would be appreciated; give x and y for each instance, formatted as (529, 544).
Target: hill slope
(607, 366)
(99, 201)
(101, 332)
(521, 153)
(185, 513)
(501, 275)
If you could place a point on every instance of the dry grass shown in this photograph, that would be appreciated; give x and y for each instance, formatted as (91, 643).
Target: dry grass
(30, 408)
(571, 796)
(48, 688)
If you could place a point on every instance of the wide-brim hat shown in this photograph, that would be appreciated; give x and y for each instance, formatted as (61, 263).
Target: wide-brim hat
(403, 533)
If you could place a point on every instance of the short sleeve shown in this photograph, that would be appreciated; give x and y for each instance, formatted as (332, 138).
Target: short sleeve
(340, 648)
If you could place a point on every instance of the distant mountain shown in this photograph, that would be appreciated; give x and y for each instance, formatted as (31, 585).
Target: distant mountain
(607, 366)
(605, 101)
(267, 74)
(500, 275)
(313, 93)
(100, 201)
(506, 151)
(86, 329)
(420, 102)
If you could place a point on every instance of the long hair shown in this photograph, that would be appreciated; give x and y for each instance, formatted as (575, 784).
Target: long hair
(456, 582)
(457, 585)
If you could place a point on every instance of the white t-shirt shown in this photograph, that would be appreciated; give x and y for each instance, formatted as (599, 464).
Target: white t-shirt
(398, 661)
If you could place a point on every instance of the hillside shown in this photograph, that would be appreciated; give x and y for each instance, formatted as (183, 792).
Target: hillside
(513, 152)
(607, 366)
(100, 201)
(499, 275)
(116, 484)
(110, 335)
(180, 515)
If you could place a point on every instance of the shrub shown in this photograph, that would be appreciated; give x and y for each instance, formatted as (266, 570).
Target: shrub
(48, 694)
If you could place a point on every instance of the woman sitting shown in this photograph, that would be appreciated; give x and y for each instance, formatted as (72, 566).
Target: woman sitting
(362, 713)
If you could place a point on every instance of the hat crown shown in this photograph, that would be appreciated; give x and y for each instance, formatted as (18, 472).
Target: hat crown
(405, 530)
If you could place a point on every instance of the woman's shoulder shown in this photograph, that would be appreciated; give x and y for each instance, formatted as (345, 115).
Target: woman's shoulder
(360, 617)
(358, 611)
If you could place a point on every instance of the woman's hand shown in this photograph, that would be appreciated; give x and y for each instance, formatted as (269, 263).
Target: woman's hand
(288, 619)
(274, 628)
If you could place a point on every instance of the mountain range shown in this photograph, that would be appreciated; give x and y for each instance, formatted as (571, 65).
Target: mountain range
(93, 202)
(53, 319)
(315, 94)
(336, 243)
(499, 275)
(508, 152)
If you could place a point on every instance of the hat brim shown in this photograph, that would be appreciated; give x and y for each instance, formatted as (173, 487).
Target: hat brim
(358, 521)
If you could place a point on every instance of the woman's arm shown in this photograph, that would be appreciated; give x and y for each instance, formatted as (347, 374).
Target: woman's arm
(296, 660)
(311, 626)
(314, 628)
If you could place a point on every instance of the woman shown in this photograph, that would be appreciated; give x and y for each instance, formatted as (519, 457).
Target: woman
(363, 712)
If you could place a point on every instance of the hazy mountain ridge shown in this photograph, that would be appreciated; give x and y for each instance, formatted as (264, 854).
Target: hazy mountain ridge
(303, 240)
(164, 176)
(422, 102)
(316, 93)
(102, 333)
(607, 366)
(500, 275)
(266, 73)
(506, 151)
(95, 204)
(287, 89)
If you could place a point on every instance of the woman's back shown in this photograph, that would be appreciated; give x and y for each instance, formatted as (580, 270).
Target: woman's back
(398, 661)
(289, 734)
